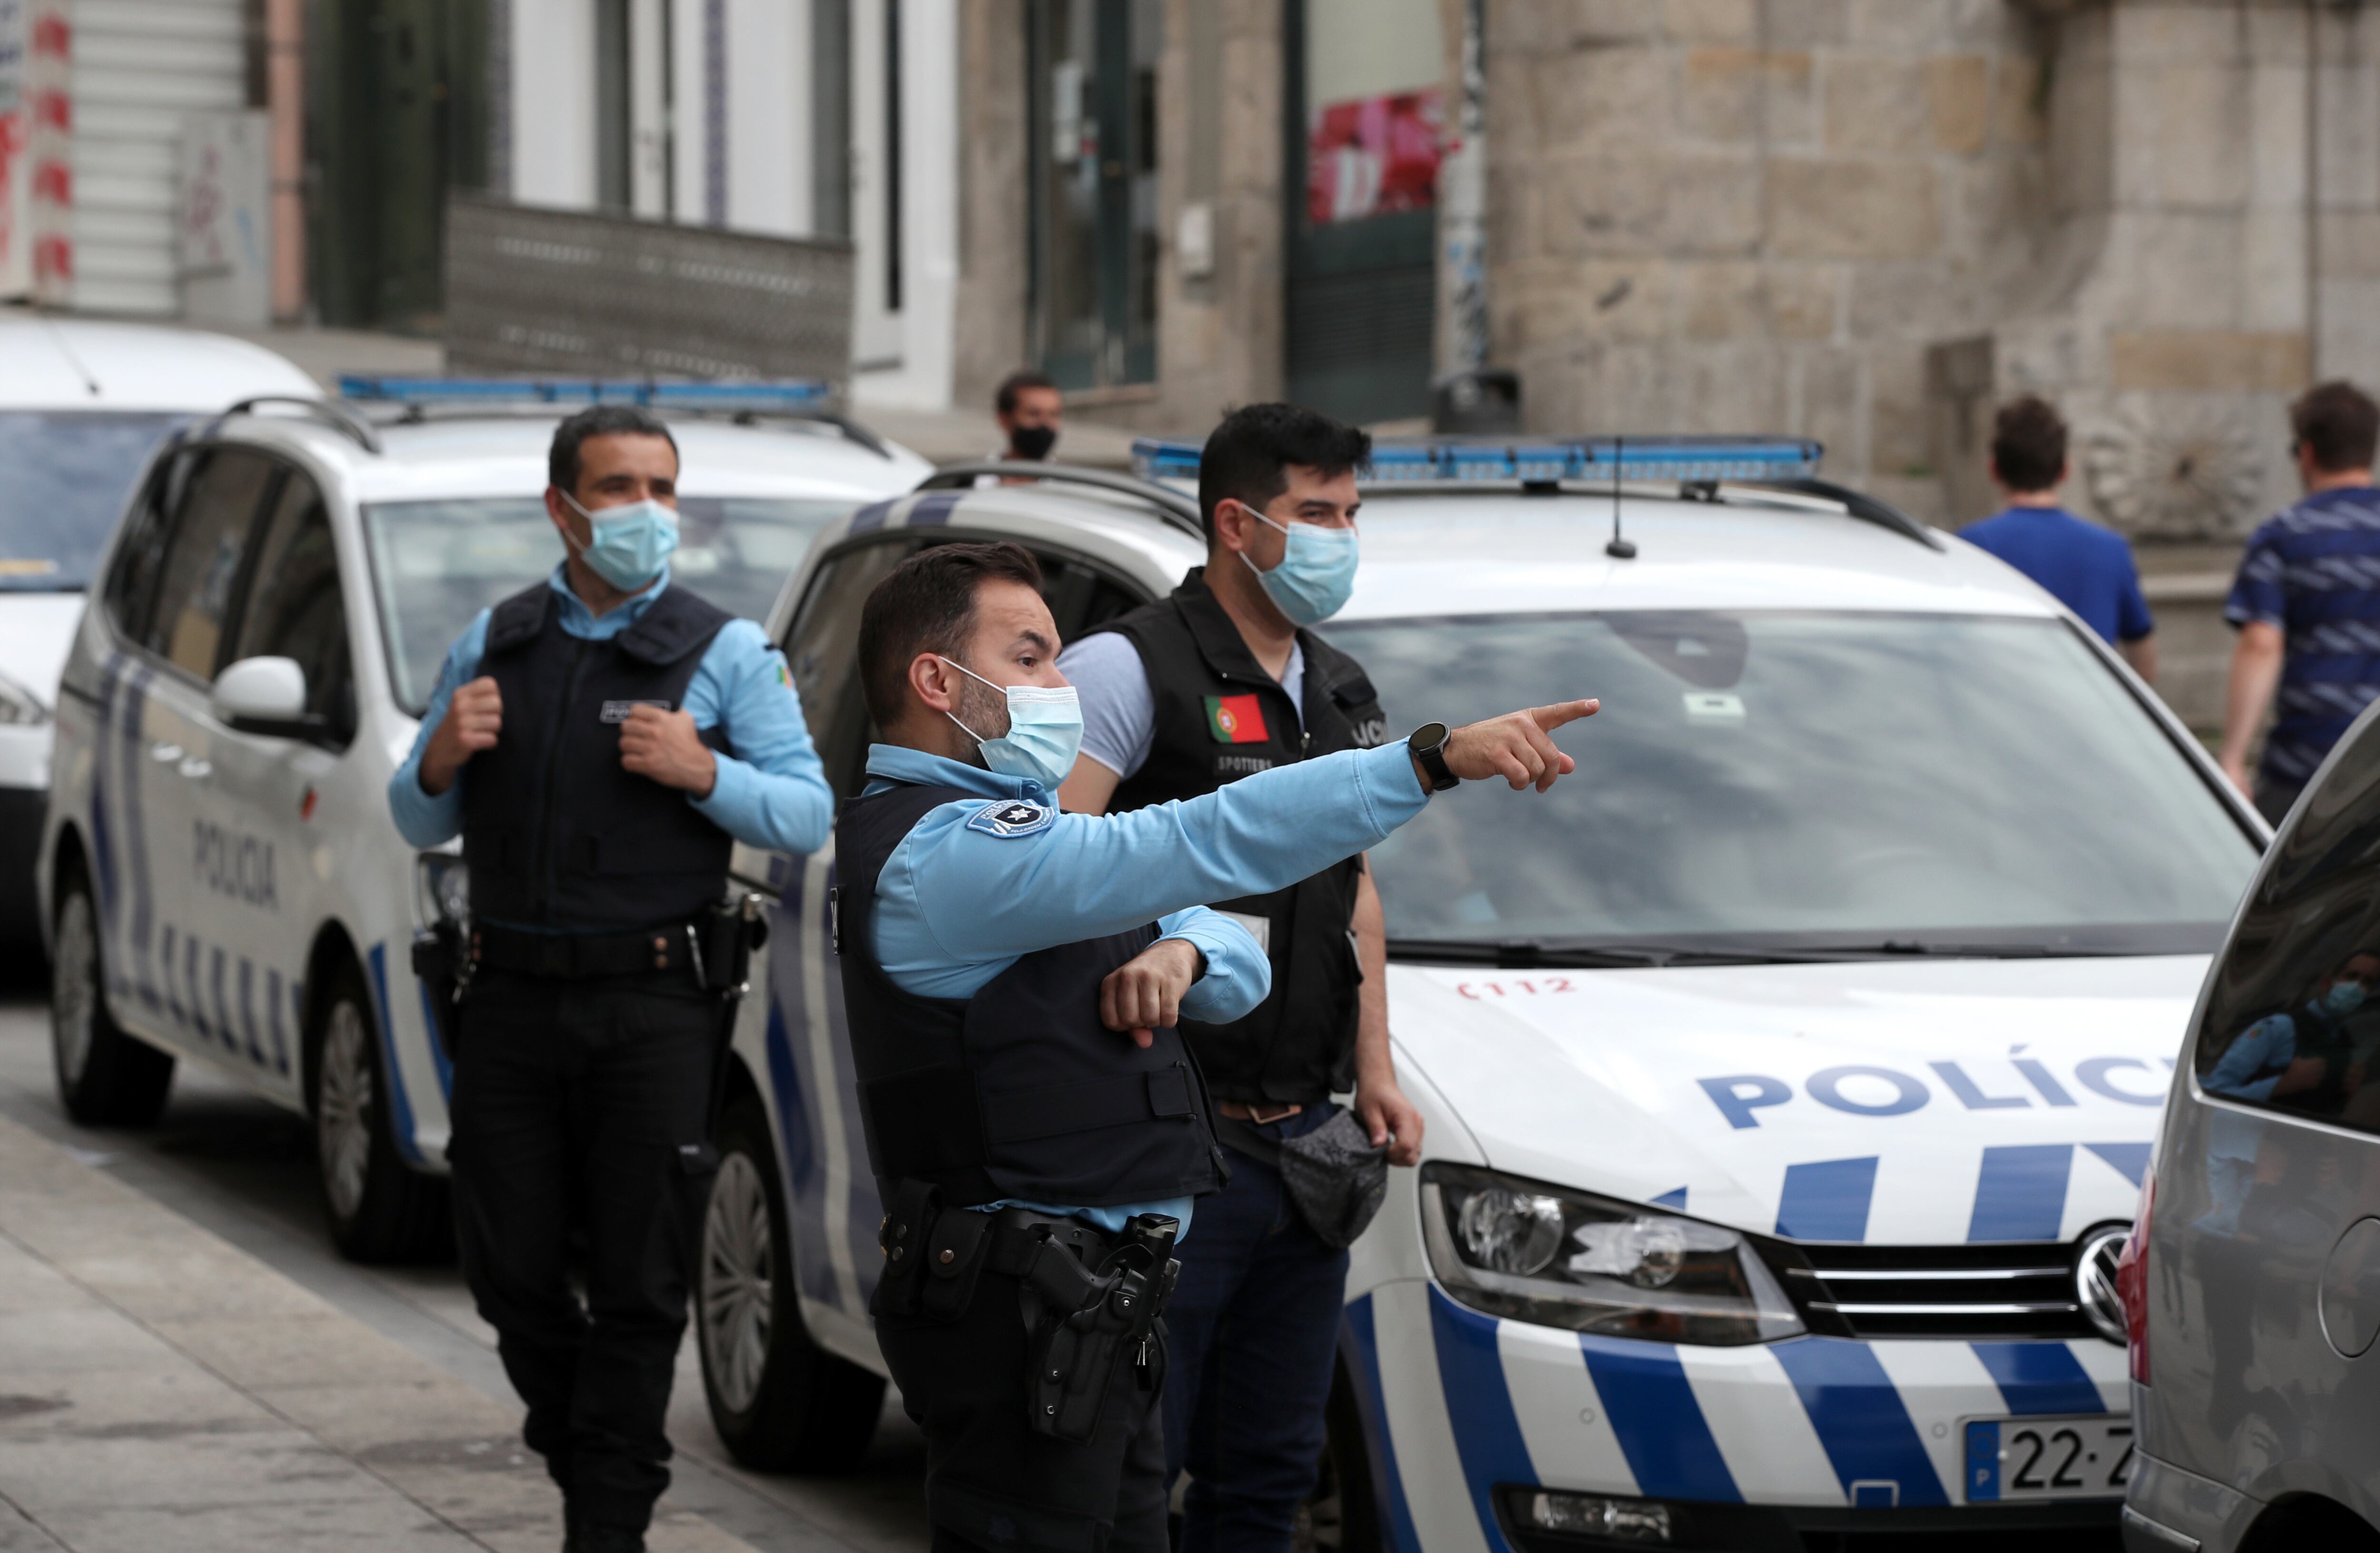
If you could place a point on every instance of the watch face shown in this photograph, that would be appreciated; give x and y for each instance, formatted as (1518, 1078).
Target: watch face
(1430, 735)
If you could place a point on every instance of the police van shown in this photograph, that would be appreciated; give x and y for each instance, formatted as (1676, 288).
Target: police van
(220, 878)
(1789, 1074)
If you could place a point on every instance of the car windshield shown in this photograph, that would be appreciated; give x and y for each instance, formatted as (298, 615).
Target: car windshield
(1861, 784)
(69, 475)
(438, 563)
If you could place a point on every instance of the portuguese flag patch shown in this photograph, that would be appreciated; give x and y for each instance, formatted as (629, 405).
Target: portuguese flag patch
(1236, 719)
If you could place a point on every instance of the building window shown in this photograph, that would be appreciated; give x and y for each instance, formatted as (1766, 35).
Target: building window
(614, 109)
(1092, 66)
(891, 156)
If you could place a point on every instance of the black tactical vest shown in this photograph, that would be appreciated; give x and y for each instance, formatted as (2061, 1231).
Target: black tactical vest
(556, 833)
(1221, 717)
(1018, 1092)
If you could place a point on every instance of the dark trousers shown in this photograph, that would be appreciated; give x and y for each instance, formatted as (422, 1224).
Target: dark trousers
(2274, 799)
(992, 1481)
(583, 1103)
(1255, 1324)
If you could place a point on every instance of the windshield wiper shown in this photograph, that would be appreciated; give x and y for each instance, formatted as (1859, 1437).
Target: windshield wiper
(1893, 949)
(1521, 954)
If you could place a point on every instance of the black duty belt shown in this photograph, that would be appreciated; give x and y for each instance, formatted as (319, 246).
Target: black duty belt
(566, 955)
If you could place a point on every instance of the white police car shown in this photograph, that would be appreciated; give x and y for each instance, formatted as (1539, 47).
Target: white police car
(1789, 1074)
(81, 405)
(221, 878)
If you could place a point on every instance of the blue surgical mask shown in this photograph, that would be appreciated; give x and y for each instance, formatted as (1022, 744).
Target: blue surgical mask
(632, 542)
(1316, 574)
(2343, 999)
(1045, 730)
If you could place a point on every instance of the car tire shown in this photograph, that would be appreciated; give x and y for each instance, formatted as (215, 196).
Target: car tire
(380, 1208)
(780, 1402)
(106, 1078)
(1341, 1515)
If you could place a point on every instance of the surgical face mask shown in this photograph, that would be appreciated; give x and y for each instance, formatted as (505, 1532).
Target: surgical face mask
(1316, 574)
(631, 541)
(1045, 730)
(2344, 998)
(1033, 442)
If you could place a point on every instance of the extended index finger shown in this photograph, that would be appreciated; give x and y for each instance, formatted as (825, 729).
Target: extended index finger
(1552, 717)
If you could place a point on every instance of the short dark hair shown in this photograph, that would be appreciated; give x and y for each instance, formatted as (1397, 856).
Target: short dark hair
(2029, 444)
(1245, 458)
(2337, 423)
(1016, 384)
(926, 604)
(598, 420)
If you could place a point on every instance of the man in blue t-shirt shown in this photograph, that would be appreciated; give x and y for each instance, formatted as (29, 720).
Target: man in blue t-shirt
(2088, 568)
(2307, 604)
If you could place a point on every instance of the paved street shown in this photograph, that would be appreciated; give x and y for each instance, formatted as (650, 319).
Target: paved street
(185, 1364)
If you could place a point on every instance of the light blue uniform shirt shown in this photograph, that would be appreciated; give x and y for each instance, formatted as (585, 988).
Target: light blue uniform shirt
(771, 791)
(960, 899)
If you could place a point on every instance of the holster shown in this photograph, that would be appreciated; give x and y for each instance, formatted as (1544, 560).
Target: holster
(723, 937)
(443, 970)
(1082, 1322)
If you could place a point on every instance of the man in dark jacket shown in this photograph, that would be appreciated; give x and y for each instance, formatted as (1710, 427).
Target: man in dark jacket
(1221, 680)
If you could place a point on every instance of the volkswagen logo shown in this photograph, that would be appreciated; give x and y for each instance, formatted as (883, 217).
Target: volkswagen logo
(2095, 1278)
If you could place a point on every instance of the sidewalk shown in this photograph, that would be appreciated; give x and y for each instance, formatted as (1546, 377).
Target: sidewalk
(160, 1389)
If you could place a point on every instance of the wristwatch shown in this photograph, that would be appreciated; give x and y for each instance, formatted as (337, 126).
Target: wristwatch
(1428, 747)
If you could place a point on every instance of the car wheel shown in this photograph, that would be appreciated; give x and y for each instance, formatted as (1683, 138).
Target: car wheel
(106, 1078)
(780, 1402)
(1340, 1515)
(380, 1209)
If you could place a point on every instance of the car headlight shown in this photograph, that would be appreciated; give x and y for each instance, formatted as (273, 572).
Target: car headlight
(1559, 1257)
(18, 706)
(441, 889)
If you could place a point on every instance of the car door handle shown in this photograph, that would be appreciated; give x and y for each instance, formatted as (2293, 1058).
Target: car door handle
(165, 753)
(196, 768)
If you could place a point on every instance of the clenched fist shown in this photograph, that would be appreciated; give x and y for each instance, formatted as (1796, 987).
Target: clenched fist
(1144, 995)
(664, 747)
(474, 717)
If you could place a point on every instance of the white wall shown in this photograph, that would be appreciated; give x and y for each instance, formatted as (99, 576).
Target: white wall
(553, 102)
(769, 117)
(906, 357)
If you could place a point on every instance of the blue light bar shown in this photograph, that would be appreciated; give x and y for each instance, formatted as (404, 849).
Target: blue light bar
(789, 395)
(1568, 458)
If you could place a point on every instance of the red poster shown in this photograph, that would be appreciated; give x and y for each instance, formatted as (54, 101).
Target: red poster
(1374, 156)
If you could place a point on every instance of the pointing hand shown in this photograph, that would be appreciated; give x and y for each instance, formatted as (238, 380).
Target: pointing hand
(1517, 746)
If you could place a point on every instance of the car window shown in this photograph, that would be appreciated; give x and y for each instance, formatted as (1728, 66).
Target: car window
(823, 651)
(69, 473)
(206, 540)
(435, 565)
(131, 594)
(2292, 1022)
(1857, 783)
(294, 607)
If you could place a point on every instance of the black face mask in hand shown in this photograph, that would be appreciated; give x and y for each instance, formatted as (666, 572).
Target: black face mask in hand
(1033, 442)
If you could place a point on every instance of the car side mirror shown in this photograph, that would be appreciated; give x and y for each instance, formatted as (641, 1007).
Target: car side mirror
(265, 696)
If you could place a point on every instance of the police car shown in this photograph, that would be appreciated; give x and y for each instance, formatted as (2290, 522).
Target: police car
(1788, 1074)
(219, 877)
(81, 404)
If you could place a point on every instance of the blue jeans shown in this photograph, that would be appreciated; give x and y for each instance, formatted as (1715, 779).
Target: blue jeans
(1254, 1325)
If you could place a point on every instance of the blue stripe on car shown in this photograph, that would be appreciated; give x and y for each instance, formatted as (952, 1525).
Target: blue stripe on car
(934, 511)
(400, 1110)
(438, 1060)
(1861, 1420)
(869, 518)
(1479, 1406)
(1676, 1199)
(2130, 1159)
(1361, 1334)
(247, 1010)
(136, 837)
(2022, 1193)
(1827, 1199)
(1651, 1408)
(2036, 1377)
(273, 1021)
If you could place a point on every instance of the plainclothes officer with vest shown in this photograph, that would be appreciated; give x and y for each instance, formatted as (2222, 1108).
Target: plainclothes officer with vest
(1014, 977)
(600, 740)
(1219, 681)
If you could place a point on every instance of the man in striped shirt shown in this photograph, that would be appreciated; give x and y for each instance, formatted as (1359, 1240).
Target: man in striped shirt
(2307, 604)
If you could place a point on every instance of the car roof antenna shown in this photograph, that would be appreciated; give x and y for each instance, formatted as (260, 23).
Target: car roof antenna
(1619, 549)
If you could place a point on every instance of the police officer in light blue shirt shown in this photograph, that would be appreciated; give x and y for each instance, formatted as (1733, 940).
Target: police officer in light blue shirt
(1014, 975)
(600, 740)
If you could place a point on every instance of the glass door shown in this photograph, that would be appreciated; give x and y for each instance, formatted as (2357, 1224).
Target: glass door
(1093, 71)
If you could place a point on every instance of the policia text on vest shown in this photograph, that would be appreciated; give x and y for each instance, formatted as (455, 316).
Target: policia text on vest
(598, 740)
(1036, 1156)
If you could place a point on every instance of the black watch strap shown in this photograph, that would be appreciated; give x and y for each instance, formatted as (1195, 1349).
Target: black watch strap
(1428, 747)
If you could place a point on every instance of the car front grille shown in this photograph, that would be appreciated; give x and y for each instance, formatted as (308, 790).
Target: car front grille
(2008, 1290)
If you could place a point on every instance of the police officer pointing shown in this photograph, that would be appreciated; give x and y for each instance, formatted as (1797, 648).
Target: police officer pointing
(1014, 977)
(596, 740)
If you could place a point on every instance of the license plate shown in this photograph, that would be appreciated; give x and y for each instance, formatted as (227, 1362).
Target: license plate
(2085, 1457)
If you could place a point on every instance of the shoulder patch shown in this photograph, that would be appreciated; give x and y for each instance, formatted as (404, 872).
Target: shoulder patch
(1013, 817)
